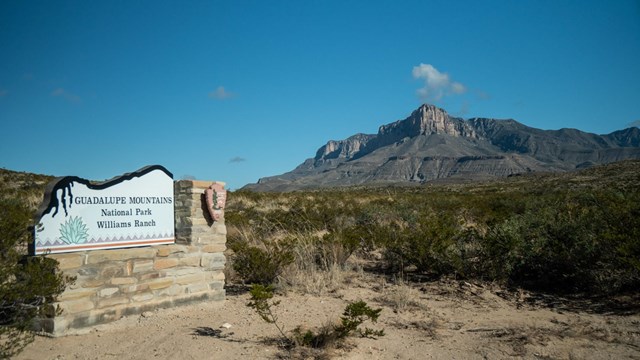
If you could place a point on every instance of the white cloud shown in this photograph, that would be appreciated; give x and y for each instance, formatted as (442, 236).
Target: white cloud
(634, 124)
(458, 88)
(220, 93)
(60, 92)
(436, 83)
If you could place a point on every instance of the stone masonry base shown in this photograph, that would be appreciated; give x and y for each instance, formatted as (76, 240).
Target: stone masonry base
(114, 283)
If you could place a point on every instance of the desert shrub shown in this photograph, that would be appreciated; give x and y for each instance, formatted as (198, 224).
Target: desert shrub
(571, 243)
(354, 315)
(261, 265)
(431, 245)
(566, 232)
(28, 285)
(335, 248)
(325, 336)
(314, 270)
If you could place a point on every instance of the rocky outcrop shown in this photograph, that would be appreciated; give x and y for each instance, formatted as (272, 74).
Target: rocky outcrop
(344, 149)
(429, 145)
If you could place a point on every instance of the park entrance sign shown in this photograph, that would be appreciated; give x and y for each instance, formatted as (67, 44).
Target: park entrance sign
(134, 209)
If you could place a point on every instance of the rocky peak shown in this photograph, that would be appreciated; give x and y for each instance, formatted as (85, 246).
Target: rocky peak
(427, 120)
(343, 148)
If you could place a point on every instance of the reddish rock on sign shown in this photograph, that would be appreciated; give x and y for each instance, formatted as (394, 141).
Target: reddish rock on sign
(216, 197)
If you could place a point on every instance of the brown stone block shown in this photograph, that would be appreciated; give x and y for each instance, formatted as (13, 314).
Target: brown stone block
(219, 228)
(142, 266)
(98, 256)
(196, 221)
(190, 279)
(68, 261)
(69, 294)
(194, 288)
(123, 281)
(214, 248)
(144, 297)
(152, 275)
(90, 283)
(173, 290)
(215, 276)
(216, 285)
(166, 250)
(106, 292)
(186, 271)
(112, 302)
(160, 283)
(189, 260)
(109, 270)
(165, 263)
(135, 288)
(213, 261)
(76, 306)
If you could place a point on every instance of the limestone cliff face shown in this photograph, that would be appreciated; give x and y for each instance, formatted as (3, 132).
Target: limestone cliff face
(345, 149)
(427, 120)
(429, 144)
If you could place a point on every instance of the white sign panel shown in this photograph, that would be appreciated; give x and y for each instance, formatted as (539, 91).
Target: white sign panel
(134, 209)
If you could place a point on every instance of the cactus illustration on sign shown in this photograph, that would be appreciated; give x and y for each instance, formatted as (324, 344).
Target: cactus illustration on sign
(74, 231)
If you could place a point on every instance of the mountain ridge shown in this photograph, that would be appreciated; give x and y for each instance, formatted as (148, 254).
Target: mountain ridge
(430, 144)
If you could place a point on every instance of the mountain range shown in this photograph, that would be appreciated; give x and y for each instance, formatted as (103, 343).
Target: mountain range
(431, 145)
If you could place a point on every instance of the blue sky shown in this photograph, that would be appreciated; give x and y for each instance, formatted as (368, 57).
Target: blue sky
(238, 90)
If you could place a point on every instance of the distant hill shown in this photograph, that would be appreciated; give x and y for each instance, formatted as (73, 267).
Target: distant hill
(431, 145)
(25, 187)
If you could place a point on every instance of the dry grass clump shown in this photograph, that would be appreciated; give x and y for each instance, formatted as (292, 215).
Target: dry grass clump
(401, 296)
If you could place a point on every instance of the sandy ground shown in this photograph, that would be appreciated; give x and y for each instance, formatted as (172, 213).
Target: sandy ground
(442, 320)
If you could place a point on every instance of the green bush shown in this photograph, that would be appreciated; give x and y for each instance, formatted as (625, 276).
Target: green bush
(28, 285)
(431, 245)
(261, 265)
(574, 243)
(356, 313)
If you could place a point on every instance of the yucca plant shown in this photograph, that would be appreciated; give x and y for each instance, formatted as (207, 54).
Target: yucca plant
(74, 231)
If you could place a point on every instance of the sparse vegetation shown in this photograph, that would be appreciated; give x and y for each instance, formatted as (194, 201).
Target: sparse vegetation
(28, 284)
(354, 315)
(565, 233)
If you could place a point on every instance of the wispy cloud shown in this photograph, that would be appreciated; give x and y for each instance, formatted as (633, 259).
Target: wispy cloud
(3, 92)
(482, 95)
(634, 124)
(237, 159)
(436, 83)
(60, 92)
(220, 93)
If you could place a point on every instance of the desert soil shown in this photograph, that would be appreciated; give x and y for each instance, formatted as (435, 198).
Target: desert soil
(436, 320)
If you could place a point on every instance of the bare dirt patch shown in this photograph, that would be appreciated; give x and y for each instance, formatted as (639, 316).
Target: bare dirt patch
(436, 320)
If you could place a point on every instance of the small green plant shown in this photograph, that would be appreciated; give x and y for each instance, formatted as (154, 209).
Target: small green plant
(323, 338)
(353, 316)
(262, 302)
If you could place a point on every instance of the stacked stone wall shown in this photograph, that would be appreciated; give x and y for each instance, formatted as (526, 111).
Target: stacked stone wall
(117, 282)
